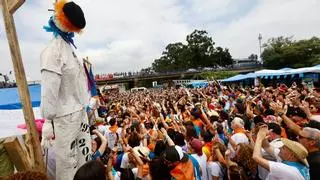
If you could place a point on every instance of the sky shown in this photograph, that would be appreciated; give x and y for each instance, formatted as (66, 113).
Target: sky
(127, 35)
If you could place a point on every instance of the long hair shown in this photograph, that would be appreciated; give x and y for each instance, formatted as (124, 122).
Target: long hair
(244, 157)
(236, 173)
(27, 175)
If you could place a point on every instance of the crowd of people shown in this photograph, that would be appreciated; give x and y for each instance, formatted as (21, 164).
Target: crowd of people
(217, 132)
(211, 133)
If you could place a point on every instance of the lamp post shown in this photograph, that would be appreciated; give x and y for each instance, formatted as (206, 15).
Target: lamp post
(260, 38)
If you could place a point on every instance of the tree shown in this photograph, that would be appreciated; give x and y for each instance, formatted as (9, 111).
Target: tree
(222, 57)
(253, 57)
(199, 52)
(201, 49)
(284, 52)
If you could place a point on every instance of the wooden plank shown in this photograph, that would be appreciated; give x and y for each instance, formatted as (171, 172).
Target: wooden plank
(17, 154)
(35, 150)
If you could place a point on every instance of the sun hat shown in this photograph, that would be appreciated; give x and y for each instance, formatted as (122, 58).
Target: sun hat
(299, 151)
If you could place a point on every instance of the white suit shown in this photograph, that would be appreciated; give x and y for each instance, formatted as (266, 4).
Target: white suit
(64, 96)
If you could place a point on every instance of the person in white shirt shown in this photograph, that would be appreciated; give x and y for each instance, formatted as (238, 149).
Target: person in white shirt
(113, 133)
(93, 114)
(294, 165)
(64, 93)
(215, 170)
(238, 136)
(196, 148)
(276, 144)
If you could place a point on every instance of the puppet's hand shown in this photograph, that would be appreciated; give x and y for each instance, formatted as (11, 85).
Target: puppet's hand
(47, 134)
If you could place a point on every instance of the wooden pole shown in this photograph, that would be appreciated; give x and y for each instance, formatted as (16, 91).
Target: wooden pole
(87, 62)
(35, 150)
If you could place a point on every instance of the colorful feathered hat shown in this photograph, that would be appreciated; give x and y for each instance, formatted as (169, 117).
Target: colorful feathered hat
(69, 16)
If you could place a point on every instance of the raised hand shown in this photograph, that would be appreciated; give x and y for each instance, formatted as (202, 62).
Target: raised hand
(277, 107)
(304, 106)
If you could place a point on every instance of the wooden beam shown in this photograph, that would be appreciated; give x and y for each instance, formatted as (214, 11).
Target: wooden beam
(17, 154)
(14, 5)
(35, 151)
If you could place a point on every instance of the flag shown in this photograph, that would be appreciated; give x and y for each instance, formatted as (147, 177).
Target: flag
(91, 82)
(93, 87)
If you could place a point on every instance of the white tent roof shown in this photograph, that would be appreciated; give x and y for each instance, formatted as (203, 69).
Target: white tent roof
(270, 72)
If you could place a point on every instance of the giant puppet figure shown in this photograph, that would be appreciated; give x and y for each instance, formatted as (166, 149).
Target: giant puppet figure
(64, 93)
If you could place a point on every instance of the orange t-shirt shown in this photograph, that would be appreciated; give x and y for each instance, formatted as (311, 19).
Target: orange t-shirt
(183, 171)
(197, 122)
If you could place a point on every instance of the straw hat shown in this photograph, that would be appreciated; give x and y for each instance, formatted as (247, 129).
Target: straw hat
(297, 149)
(213, 113)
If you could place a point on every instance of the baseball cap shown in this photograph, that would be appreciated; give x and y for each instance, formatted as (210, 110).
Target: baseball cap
(196, 144)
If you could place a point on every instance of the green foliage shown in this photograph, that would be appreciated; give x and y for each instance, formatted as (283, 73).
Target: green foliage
(199, 52)
(253, 57)
(284, 52)
(217, 74)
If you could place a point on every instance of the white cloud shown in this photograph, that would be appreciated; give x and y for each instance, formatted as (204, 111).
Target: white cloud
(128, 35)
(271, 19)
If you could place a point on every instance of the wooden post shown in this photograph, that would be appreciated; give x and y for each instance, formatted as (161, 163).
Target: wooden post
(17, 154)
(8, 8)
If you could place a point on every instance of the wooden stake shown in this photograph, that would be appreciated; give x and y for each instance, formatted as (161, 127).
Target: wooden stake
(35, 150)
(17, 154)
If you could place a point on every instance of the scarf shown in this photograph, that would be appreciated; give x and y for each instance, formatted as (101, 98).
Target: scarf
(196, 167)
(113, 128)
(239, 130)
(66, 36)
(304, 170)
(207, 149)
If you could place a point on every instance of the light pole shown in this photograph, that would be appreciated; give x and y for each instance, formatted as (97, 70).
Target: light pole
(260, 38)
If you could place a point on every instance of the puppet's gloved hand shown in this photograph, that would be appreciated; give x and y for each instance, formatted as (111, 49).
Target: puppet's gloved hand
(47, 134)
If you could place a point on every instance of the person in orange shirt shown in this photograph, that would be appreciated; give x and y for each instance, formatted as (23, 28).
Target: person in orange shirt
(179, 163)
(208, 144)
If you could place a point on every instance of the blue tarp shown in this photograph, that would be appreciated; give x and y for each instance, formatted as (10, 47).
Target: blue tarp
(10, 99)
(199, 84)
